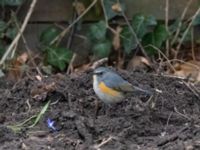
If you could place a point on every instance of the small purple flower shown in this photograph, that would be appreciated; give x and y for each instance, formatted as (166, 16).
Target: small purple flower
(50, 124)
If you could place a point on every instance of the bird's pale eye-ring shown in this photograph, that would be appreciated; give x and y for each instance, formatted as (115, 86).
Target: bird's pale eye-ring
(98, 73)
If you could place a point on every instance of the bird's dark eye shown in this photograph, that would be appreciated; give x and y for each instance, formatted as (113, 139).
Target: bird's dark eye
(98, 73)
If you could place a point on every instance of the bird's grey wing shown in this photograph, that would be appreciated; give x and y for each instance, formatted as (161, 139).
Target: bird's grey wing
(118, 83)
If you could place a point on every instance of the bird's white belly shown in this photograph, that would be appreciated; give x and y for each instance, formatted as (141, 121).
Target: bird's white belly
(106, 98)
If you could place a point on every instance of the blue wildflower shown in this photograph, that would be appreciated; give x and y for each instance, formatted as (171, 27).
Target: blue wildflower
(50, 124)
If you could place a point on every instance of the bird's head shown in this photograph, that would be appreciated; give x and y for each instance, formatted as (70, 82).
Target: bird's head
(100, 72)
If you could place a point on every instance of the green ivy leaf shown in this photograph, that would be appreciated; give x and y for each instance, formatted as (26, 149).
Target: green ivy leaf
(161, 35)
(156, 38)
(2, 49)
(108, 8)
(140, 24)
(196, 21)
(173, 27)
(48, 35)
(97, 31)
(102, 49)
(11, 2)
(58, 57)
(187, 37)
(128, 40)
(11, 33)
(149, 39)
(2, 26)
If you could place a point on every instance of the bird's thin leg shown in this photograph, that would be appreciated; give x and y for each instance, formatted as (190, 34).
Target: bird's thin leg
(108, 109)
(96, 108)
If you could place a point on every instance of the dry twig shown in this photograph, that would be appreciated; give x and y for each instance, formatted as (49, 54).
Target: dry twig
(99, 62)
(192, 89)
(70, 66)
(192, 44)
(168, 119)
(159, 51)
(166, 25)
(16, 40)
(105, 141)
(181, 20)
(135, 35)
(29, 105)
(183, 115)
(186, 31)
(172, 137)
(106, 20)
(28, 48)
(62, 34)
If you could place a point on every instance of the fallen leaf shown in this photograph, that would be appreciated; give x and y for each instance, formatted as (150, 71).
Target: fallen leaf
(23, 58)
(117, 8)
(14, 73)
(82, 68)
(79, 7)
(39, 78)
(138, 62)
(189, 69)
(40, 91)
(17, 67)
(116, 40)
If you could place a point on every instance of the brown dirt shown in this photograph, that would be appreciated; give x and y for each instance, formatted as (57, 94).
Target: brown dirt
(169, 120)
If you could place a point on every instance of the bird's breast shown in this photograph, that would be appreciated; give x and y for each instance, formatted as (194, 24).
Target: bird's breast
(106, 94)
(106, 90)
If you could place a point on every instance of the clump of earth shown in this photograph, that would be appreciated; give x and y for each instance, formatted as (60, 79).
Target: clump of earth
(169, 119)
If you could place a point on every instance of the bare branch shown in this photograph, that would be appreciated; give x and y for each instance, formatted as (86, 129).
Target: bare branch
(187, 30)
(16, 40)
(62, 34)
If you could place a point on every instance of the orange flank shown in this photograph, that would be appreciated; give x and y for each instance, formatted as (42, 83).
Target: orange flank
(108, 90)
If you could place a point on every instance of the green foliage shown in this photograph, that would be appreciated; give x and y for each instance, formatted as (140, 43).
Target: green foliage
(155, 38)
(34, 120)
(97, 31)
(101, 45)
(174, 26)
(196, 21)
(11, 2)
(140, 24)
(98, 35)
(102, 49)
(56, 56)
(40, 115)
(182, 27)
(8, 32)
(11, 33)
(2, 27)
(2, 30)
(128, 40)
(2, 49)
(108, 8)
(48, 35)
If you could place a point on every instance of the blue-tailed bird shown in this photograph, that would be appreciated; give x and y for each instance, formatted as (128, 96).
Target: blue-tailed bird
(110, 87)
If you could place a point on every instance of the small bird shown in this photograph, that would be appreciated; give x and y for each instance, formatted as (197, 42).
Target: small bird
(110, 87)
